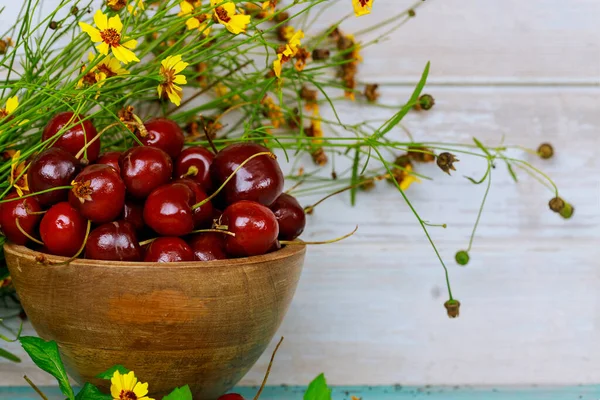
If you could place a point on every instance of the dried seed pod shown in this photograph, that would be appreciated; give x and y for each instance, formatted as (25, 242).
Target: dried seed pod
(308, 94)
(116, 5)
(319, 157)
(453, 308)
(3, 46)
(367, 184)
(411, 13)
(426, 102)
(421, 154)
(556, 204)
(403, 161)
(446, 162)
(53, 25)
(344, 43)
(371, 92)
(282, 16)
(320, 54)
(462, 257)
(74, 10)
(545, 151)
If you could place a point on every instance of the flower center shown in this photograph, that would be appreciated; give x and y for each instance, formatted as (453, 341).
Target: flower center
(127, 395)
(83, 191)
(89, 78)
(222, 14)
(111, 37)
(363, 3)
(3, 113)
(107, 71)
(201, 18)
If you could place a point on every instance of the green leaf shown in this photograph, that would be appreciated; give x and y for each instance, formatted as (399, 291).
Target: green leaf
(182, 393)
(318, 389)
(111, 371)
(9, 356)
(511, 171)
(487, 172)
(354, 179)
(482, 148)
(46, 356)
(395, 120)
(91, 392)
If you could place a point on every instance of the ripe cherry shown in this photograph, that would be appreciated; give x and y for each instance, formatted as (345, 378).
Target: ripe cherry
(231, 396)
(111, 158)
(168, 249)
(259, 180)
(74, 138)
(98, 193)
(63, 230)
(255, 228)
(168, 210)
(133, 213)
(23, 210)
(203, 215)
(144, 169)
(194, 163)
(114, 241)
(51, 168)
(208, 246)
(290, 216)
(164, 134)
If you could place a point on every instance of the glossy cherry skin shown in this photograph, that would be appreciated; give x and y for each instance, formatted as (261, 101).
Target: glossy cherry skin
(231, 396)
(21, 209)
(259, 180)
(168, 210)
(194, 163)
(168, 249)
(143, 169)
(63, 230)
(203, 215)
(208, 246)
(290, 216)
(111, 158)
(133, 212)
(255, 228)
(51, 168)
(75, 138)
(98, 193)
(164, 134)
(113, 241)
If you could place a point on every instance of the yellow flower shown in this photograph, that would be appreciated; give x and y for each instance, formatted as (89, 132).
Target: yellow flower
(315, 130)
(107, 68)
(11, 105)
(407, 178)
(199, 21)
(17, 178)
(109, 36)
(290, 50)
(126, 387)
(169, 69)
(135, 9)
(362, 7)
(277, 65)
(272, 111)
(116, 5)
(226, 15)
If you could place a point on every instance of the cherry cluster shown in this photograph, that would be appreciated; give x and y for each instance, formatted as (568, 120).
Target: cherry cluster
(186, 204)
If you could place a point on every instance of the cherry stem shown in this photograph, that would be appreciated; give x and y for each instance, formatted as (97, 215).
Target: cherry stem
(300, 242)
(230, 177)
(36, 193)
(225, 232)
(145, 242)
(310, 209)
(192, 171)
(264, 382)
(27, 234)
(209, 138)
(33, 385)
(87, 234)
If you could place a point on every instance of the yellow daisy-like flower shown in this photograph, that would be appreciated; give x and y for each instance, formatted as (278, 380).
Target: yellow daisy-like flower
(11, 105)
(116, 5)
(108, 34)
(290, 50)
(362, 7)
(127, 387)
(199, 21)
(16, 169)
(226, 15)
(169, 69)
(107, 68)
(136, 8)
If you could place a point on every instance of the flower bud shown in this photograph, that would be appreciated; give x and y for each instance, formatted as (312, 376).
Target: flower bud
(462, 258)
(545, 151)
(53, 25)
(453, 308)
(426, 102)
(320, 54)
(567, 211)
(446, 162)
(371, 92)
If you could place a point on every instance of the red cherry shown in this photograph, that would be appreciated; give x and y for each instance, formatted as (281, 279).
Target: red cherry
(51, 168)
(168, 210)
(168, 249)
(98, 193)
(74, 138)
(203, 215)
(194, 163)
(111, 158)
(231, 396)
(255, 228)
(144, 169)
(290, 216)
(164, 134)
(134, 214)
(114, 241)
(208, 246)
(259, 180)
(275, 246)
(22, 209)
(63, 230)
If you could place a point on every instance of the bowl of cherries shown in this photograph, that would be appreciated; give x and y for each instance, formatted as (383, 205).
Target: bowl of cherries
(179, 263)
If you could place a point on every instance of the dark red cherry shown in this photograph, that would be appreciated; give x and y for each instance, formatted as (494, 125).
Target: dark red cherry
(51, 168)
(290, 216)
(255, 228)
(111, 158)
(24, 210)
(231, 396)
(164, 134)
(208, 246)
(194, 163)
(144, 169)
(203, 215)
(114, 241)
(168, 249)
(98, 193)
(63, 230)
(259, 180)
(275, 246)
(133, 213)
(74, 138)
(168, 210)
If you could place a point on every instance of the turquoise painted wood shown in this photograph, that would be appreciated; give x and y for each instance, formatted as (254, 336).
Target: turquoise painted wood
(378, 393)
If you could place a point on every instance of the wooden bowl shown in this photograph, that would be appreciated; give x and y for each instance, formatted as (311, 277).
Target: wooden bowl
(199, 323)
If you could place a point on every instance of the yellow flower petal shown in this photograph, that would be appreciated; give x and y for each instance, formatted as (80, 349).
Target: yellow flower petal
(12, 104)
(103, 48)
(277, 66)
(362, 7)
(141, 389)
(101, 20)
(91, 56)
(115, 23)
(91, 31)
(160, 91)
(180, 66)
(186, 8)
(175, 98)
(238, 23)
(180, 80)
(192, 23)
(229, 8)
(124, 55)
(130, 44)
